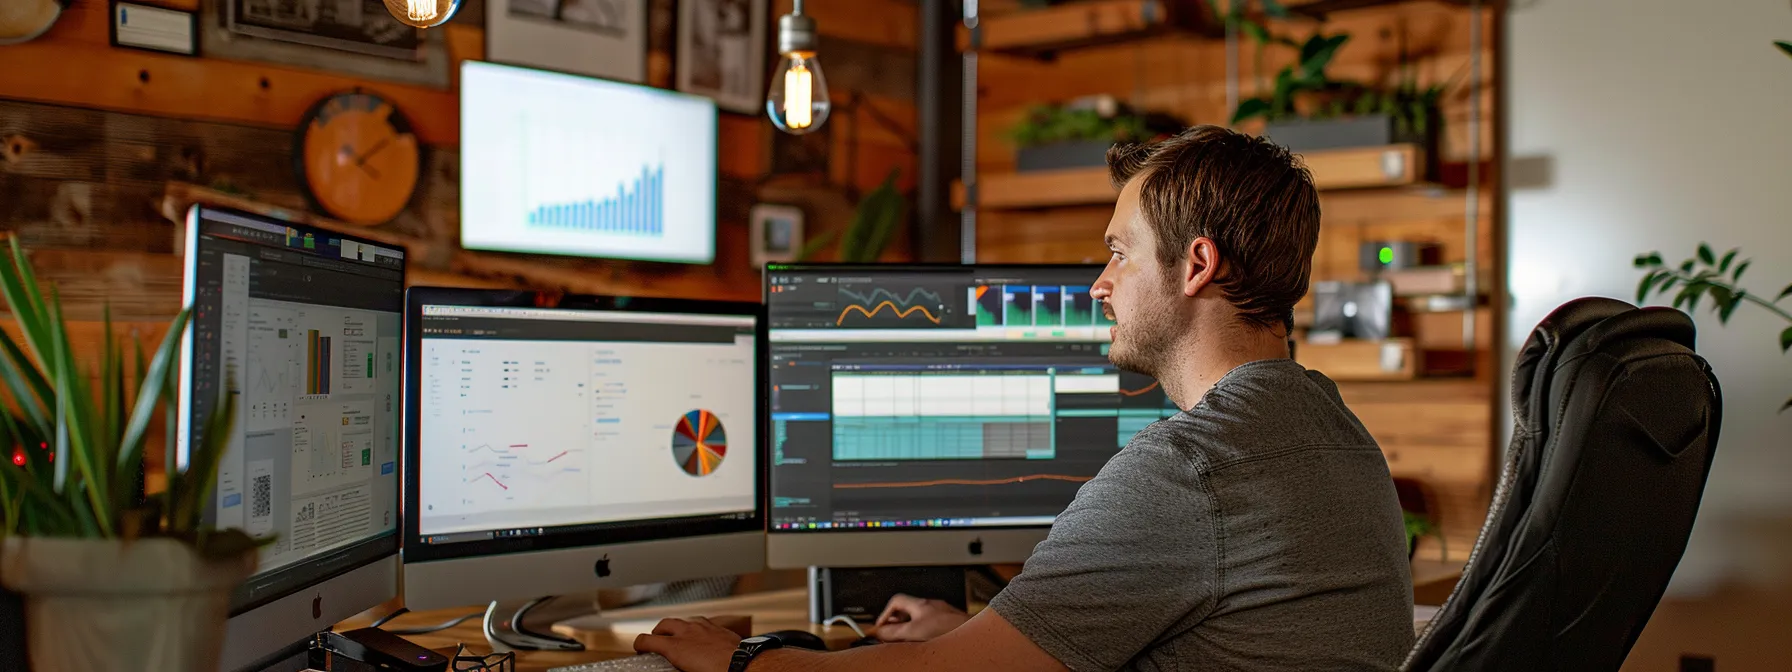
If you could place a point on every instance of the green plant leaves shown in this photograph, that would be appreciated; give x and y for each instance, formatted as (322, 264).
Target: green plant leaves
(1723, 266)
(1650, 260)
(1648, 283)
(1784, 46)
(1250, 108)
(1705, 255)
(1783, 294)
(1737, 276)
(1786, 340)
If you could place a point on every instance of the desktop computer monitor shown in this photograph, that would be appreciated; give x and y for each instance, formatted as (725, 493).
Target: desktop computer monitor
(302, 325)
(561, 444)
(937, 415)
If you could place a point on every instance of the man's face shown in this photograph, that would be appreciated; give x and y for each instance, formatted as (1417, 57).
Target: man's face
(1135, 292)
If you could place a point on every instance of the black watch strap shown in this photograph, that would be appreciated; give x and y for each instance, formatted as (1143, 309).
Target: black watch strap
(749, 649)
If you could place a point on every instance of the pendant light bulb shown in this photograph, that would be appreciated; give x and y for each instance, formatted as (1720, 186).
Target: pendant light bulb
(798, 100)
(423, 13)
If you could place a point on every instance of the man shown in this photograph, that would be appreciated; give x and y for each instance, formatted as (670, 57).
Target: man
(1256, 530)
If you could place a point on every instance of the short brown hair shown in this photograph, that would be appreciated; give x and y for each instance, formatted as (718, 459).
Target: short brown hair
(1253, 198)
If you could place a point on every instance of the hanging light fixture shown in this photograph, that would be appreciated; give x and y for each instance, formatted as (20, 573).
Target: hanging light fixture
(423, 13)
(798, 100)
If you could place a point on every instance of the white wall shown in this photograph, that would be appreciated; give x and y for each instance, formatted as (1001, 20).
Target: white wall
(1664, 123)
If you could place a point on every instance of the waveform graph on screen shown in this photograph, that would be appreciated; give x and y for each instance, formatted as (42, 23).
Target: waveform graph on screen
(699, 443)
(917, 307)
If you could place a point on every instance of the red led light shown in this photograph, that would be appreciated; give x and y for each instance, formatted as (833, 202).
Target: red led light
(18, 458)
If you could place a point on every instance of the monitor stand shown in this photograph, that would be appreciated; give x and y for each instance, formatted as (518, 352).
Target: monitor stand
(505, 631)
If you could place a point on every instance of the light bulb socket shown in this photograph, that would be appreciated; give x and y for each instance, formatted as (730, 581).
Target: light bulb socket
(796, 32)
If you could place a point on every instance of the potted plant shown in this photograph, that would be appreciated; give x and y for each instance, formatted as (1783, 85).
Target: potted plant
(1706, 274)
(872, 228)
(1307, 110)
(1418, 527)
(112, 579)
(1078, 134)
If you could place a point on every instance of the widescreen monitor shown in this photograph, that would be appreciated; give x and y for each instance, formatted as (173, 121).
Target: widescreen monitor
(937, 415)
(302, 325)
(552, 163)
(562, 444)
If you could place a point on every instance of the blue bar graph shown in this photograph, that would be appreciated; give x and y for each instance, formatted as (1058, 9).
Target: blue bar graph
(637, 209)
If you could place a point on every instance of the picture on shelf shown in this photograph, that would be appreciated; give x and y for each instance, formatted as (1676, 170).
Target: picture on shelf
(721, 52)
(598, 38)
(360, 26)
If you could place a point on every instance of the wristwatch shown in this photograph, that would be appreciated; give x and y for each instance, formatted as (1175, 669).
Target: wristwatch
(749, 649)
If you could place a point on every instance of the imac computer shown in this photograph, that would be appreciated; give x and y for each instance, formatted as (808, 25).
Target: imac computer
(937, 415)
(563, 444)
(302, 326)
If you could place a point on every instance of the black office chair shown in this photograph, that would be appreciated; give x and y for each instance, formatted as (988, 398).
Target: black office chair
(1615, 423)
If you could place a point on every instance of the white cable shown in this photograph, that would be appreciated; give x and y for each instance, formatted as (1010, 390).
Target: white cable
(843, 618)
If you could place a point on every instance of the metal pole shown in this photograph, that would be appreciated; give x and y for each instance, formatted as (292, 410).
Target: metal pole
(967, 253)
(1472, 268)
(936, 102)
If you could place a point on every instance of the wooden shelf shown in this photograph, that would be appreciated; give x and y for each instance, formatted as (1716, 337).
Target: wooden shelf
(1040, 189)
(1360, 360)
(1320, 8)
(1333, 169)
(1044, 31)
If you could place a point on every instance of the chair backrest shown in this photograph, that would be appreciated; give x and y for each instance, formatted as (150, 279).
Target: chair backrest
(1615, 420)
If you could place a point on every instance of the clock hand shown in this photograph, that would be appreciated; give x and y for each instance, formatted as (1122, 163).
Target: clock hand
(370, 170)
(362, 159)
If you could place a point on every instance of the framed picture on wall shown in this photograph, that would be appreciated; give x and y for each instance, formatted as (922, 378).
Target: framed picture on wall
(600, 38)
(360, 26)
(777, 233)
(721, 52)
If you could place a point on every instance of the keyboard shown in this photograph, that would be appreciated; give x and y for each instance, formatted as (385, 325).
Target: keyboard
(649, 662)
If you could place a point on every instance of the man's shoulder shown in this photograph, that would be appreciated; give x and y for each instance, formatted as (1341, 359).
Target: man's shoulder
(1259, 409)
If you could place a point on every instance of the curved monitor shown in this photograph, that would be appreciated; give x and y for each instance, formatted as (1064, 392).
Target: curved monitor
(937, 415)
(302, 325)
(563, 444)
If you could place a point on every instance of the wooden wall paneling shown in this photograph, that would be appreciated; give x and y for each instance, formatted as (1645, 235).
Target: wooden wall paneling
(888, 23)
(1058, 235)
(1435, 432)
(74, 64)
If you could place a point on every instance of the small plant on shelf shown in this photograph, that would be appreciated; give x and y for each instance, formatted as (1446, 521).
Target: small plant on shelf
(1706, 274)
(1304, 98)
(1079, 133)
(1094, 119)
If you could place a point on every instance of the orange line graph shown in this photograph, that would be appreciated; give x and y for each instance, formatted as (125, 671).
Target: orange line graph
(900, 313)
(960, 481)
(1137, 392)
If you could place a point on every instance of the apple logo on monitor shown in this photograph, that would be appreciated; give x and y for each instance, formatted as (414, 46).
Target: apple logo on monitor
(603, 566)
(317, 607)
(976, 547)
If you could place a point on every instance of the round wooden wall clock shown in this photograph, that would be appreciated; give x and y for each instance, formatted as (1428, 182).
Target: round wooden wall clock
(358, 159)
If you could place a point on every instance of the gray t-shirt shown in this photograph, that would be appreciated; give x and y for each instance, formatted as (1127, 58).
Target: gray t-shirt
(1257, 531)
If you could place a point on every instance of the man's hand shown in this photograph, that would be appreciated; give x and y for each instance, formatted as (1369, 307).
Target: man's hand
(694, 645)
(912, 619)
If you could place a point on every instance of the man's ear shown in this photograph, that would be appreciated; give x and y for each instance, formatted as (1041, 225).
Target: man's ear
(1201, 265)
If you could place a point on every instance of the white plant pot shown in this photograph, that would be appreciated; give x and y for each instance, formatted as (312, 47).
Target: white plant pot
(94, 605)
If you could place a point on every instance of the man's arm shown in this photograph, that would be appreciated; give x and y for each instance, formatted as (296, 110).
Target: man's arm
(986, 643)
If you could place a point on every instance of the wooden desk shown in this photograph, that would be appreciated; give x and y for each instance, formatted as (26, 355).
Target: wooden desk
(770, 611)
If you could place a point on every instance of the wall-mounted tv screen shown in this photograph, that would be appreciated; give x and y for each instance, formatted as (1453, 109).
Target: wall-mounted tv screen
(552, 163)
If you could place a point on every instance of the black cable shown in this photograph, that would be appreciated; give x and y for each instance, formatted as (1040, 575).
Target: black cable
(388, 617)
(439, 626)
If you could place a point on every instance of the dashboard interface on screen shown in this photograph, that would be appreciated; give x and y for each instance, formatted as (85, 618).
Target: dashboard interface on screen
(560, 164)
(303, 326)
(538, 422)
(941, 397)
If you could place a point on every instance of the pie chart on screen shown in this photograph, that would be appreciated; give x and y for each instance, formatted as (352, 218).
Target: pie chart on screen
(699, 443)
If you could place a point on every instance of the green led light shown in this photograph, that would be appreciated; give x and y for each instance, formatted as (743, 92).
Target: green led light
(1387, 255)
